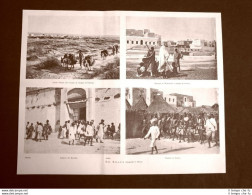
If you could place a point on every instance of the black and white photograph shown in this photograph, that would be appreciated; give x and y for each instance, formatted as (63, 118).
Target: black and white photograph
(171, 48)
(172, 121)
(73, 47)
(72, 121)
(74, 105)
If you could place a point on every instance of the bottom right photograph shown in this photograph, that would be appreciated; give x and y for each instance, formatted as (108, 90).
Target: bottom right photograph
(172, 121)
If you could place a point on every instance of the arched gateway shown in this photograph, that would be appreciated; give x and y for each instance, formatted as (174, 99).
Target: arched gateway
(76, 99)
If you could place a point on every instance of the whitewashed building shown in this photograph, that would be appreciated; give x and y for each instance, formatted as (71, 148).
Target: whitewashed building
(141, 37)
(60, 104)
(180, 100)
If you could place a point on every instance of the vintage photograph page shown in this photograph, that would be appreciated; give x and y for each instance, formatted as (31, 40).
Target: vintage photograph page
(121, 92)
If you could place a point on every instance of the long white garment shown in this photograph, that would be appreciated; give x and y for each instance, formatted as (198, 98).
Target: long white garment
(71, 133)
(163, 54)
(75, 129)
(90, 130)
(154, 132)
(68, 126)
(79, 130)
(211, 125)
(63, 133)
(100, 132)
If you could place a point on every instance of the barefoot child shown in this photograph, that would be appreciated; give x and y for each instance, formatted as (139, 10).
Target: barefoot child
(154, 132)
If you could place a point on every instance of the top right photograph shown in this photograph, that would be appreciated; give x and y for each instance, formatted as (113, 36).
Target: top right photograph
(172, 48)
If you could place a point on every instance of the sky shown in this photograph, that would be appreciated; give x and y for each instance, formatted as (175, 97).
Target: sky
(202, 96)
(171, 28)
(81, 25)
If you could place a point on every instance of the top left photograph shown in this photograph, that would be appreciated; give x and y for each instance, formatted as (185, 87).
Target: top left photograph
(73, 47)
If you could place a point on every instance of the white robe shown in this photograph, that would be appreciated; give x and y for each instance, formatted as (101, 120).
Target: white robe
(90, 131)
(71, 133)
(154, 132)
(100, 133)
(163, 55)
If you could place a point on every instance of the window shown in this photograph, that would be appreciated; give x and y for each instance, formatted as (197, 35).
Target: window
(132, 42)
(153, 43)
(128, 42)
(173, 99)
(146, 42)
(169, 99)
(106, 98)
(150, 43)
(185, 99)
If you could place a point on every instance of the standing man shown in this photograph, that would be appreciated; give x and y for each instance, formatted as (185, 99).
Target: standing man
(80, 57)
(36, 131)
(151, 54)
(93, 127)
(40, 130)
(89, 133)
(67, 128)
(144, 127)
(30, 131)
(100, 132)
(176, 61)
(27, 128)
(211, 127)
(71, 136)
(113, 50)
(200, 127)
(112, 130)
(163, 57)
(154, 132)
(47, 130)
(116, 49)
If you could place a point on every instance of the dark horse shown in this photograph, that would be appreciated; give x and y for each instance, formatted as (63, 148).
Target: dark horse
(104, 54)
(68, 59)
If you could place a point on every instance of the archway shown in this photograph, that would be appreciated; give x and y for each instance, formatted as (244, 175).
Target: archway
(76, 99)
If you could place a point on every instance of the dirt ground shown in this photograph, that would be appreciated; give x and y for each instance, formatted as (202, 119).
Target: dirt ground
(199, 66)
(167, 146)
(77, 72)
(39, 50)
(61, 146)
(194, 73)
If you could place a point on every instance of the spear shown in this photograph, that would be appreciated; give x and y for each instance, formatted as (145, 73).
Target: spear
(147, 46)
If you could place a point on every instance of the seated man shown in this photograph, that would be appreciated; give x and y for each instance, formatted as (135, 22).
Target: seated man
(141, 70)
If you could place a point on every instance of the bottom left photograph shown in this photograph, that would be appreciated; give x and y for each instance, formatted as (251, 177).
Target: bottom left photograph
(72, 120)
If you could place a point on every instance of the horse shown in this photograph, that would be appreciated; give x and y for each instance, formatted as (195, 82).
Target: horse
(68, 59)
(104, 54)
(88, 62)
(72, 59)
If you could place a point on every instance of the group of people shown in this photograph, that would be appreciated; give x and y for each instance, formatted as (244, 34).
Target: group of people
(149, 65)
(183, 127)
(39, 131)
(86, 130)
